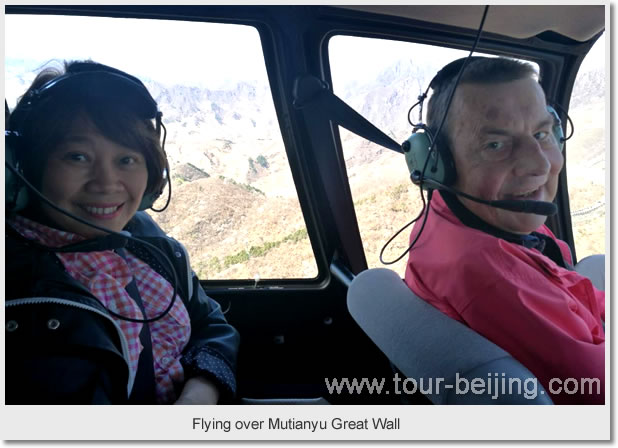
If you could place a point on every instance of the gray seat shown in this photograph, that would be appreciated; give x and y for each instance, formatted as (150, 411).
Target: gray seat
(593, 267)
(423, 343)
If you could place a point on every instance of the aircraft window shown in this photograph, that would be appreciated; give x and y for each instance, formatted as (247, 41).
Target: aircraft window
(586, 154)
(382, 85)
(234, 204)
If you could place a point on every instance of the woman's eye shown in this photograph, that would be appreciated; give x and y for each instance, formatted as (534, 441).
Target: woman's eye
(130, 160)
(495, 146)
(75, 157)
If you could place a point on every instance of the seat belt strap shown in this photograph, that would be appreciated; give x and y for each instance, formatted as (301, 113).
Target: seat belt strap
(316, 101)
(144, 386)
(312, 92)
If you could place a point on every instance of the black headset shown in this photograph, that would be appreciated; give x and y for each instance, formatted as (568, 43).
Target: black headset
(89, 80)
(431, 159)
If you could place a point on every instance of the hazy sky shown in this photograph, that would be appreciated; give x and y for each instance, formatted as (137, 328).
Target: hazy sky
(169, 50)
(194, 53)
(165, 50)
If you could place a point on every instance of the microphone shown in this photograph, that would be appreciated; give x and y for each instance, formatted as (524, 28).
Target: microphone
(107, 242)
(521, 206)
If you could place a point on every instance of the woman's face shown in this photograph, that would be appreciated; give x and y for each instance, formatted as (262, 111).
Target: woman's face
(95, 179)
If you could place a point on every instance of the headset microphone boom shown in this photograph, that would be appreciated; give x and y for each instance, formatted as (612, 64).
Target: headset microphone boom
(521, 206)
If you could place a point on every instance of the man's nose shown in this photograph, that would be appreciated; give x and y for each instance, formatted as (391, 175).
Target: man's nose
(533, 159)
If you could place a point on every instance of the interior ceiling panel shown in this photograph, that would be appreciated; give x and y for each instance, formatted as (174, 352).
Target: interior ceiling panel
(578, 22)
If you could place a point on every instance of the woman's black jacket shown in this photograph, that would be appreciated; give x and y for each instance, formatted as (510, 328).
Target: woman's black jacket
(63, 347)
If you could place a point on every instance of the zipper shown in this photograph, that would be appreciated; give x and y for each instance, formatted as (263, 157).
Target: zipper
(58, 301)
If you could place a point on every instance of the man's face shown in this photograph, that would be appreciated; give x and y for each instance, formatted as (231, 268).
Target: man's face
(504, 149)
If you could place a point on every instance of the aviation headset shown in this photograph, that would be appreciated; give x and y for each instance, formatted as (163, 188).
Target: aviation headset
(431, 159)
(91, 81)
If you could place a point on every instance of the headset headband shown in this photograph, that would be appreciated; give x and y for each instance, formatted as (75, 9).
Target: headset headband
(93, 81)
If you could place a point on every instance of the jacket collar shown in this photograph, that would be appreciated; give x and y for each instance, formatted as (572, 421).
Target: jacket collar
(534, 240)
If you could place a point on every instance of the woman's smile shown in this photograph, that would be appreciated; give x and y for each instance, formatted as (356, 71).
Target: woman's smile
(103, 211)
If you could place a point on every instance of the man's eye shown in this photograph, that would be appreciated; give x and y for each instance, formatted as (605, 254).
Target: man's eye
(542, 135)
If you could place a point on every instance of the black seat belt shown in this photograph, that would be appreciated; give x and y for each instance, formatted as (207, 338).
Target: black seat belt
(311, 92)
(316, 101)
(143, 391)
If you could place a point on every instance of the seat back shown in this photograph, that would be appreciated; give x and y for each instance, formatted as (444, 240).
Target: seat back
(427, 345)
(593, 267)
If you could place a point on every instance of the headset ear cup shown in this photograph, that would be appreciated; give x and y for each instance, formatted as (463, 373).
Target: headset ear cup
(150, 198)
(416, 150)
(557, 130)
(148, 201)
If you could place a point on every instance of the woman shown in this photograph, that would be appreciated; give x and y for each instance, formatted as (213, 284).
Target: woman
(88, 319)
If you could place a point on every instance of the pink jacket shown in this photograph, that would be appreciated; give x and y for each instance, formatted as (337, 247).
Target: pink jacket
(547, 317)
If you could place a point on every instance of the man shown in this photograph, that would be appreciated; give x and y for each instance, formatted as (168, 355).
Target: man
(503, 273)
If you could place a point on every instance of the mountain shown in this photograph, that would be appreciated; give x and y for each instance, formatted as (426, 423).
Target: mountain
(221, 132)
